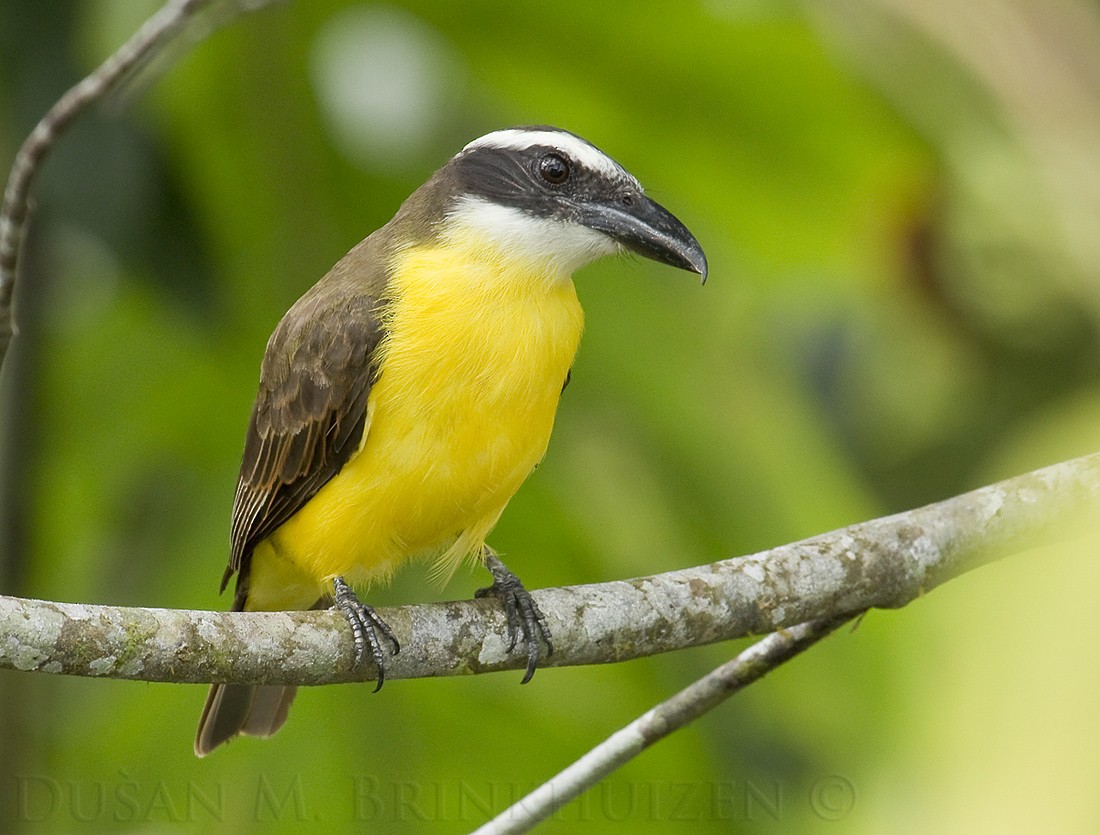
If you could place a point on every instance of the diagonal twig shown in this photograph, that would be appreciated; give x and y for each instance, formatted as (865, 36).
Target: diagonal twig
(150, 40)
(658, 722)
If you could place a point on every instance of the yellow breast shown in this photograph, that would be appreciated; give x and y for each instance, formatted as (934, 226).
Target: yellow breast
(472, 367)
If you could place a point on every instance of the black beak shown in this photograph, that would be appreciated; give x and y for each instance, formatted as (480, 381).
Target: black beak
(647, 228)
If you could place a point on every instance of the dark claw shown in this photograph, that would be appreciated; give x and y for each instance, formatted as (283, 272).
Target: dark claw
(365, 626)
(520, 610)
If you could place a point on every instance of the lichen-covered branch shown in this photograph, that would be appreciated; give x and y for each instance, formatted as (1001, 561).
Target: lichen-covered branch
(885, 562)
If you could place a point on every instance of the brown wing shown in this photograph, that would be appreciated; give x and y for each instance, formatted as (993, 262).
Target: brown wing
(311, 408)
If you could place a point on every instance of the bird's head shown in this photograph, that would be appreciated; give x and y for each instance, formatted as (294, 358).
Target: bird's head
(547, 196)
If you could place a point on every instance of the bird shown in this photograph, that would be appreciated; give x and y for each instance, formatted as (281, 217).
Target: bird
(407, 395)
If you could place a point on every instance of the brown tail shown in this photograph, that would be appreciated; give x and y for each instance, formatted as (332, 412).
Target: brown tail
(250, 709)
(232, 709)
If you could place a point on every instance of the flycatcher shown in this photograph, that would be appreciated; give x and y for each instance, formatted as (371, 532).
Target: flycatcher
(407, 395)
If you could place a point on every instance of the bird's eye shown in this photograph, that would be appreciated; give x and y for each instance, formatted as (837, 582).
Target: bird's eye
(554, 168)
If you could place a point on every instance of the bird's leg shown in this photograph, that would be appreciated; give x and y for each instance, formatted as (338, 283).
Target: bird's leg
(365, 627)
(522, 612)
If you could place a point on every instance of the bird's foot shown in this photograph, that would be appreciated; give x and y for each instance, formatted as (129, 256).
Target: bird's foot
(366, 626)
(523, 614)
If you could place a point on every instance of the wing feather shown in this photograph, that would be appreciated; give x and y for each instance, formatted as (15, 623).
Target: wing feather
(310, 411)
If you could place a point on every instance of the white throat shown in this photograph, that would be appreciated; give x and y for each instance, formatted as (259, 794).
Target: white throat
(509, 234)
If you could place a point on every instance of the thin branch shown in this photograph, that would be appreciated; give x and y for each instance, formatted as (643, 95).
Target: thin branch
(144, 46)
(885, 562)
(658, 722)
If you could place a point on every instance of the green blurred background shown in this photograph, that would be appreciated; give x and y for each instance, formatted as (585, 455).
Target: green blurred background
(900, 200)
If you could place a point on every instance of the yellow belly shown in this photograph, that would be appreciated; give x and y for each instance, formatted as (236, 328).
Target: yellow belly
(461, 413)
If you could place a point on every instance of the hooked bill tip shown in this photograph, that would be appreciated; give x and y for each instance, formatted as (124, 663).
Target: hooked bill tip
(697, 263)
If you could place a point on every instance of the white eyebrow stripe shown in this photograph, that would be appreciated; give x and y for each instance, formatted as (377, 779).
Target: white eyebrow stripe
(517, 139)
